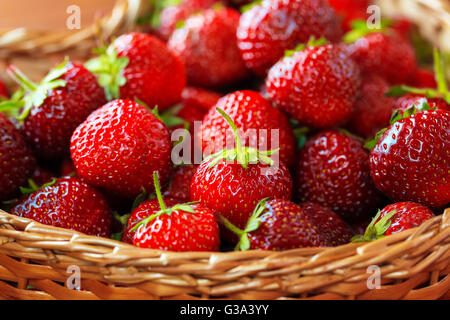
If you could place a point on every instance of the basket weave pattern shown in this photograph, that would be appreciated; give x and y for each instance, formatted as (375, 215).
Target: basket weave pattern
(414, 264)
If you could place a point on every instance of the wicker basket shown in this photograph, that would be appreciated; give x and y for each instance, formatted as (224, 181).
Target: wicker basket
(34, 258)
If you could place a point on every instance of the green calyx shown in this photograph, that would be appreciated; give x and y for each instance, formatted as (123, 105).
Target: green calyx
(312, 42)
(396, 116)
(442, 87)
(186, 207)
(108, 67)
(34, 187)
(157, 6)
(301, 136)
(360, 28)
(375, 230)
(31, 94)
(243, 155)
(249, 6)
(253, 223)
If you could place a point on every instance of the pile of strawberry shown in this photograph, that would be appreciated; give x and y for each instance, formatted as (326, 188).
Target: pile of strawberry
(358, 127)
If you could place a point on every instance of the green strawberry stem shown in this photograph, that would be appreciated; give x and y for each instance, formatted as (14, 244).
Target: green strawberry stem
(186, 207)
(162, 205)
(34, 94)
(243, 155)
(375, 230)
(312, 42)
(360, 29)
(431, 93)
(253, 224)
(108, 66)
(34, 187)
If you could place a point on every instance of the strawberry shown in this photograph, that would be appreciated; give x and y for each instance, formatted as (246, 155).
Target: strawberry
(386, 54)
(419, 101)
(137, 65)
(349, 10)
(175, 15)
(282, 225)
(141, 212)
(16, 159)
(250, 111)
(395, 218)
(268, 29)
(41, 176)
(3, 91)
(424, 78)
(333, 171)
(316, 86)
(233, 181)
(119, 146)
(410, 159)
(180, 183)
(182, 227)
(69, 203)
(207, 45)
(372, 108)
(54, 108)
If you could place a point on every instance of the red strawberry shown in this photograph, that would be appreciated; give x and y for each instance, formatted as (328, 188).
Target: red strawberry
(424, 78)
(137, 65)
(333, 170)
(119, 147)
(69, 203)
(171, 16)
(316, 86)
(182, 227)
(410, 160)
(268, 29)
(350, 10)
(180, 184)
(419, 101)
(67, 167)
(207, 45)
(3, 91)
(251, 112)
(395, 218)
(233, 181)
(283, 225)
(372, 108)
(56, 106)
(16, 159)
(41, 176)
(143, 211)
(386, 54)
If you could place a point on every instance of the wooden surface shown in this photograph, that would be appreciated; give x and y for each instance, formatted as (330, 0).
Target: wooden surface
(49, 14)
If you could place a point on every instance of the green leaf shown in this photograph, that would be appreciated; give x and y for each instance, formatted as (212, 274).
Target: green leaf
(370, 144)
(117, 236)
(360, 29)
(244, 243)
(249, 6)
(139, 199)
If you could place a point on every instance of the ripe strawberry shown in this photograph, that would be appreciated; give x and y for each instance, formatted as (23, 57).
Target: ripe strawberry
(395, 218)
(372, 108)
(41, 176)
(333, 171)
(207, 45)
(386, 54)
(3, 91)
(251, 112)
(283, 225)
(54, 108)
(350, 10)
(119, 147)
(16, 159)
(143, 211)
(268, 29)
(419, 101)
(174, 15)
(424, 78)
(137, 65)
(232, 182)
(316, 86)
(69, 203)
(410, 160)
(180, 184)
(182, 227)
